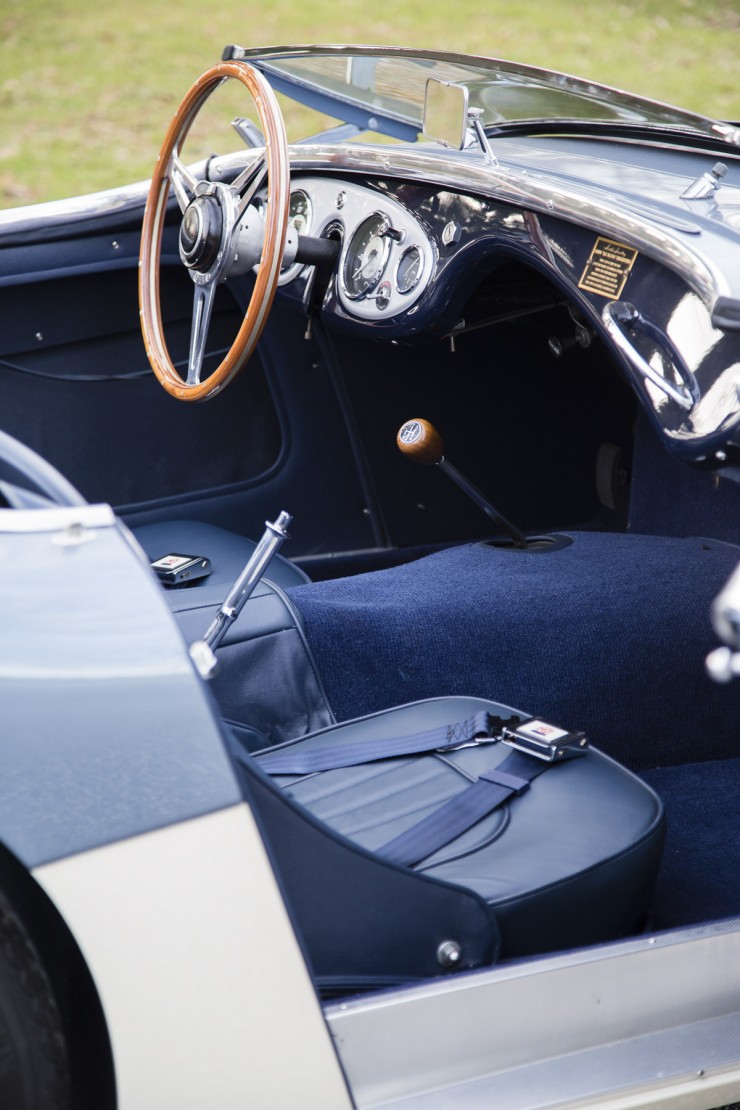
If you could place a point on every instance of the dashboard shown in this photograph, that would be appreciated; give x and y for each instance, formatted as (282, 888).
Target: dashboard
(387, 257)
(419, 261)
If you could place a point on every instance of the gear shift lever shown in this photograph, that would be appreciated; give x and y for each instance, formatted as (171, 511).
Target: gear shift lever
(420, 441)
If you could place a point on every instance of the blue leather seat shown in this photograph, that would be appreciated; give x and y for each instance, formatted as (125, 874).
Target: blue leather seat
(570, 861)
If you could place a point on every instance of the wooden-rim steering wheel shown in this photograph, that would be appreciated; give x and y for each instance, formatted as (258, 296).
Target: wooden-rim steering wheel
(214, 233)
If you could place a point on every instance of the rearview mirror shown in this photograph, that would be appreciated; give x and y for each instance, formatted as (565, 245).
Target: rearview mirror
(445, 113)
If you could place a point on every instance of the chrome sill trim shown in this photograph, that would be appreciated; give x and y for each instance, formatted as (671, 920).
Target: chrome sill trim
(633, 1009)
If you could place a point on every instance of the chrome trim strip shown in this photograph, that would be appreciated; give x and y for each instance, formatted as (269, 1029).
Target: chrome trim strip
(88, 206)
(723, 131)
(647, 1016)
(56, 519)
(469, 173)
(463, 171)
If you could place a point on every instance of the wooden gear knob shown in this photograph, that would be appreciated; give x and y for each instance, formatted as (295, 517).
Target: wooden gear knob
(420, 441)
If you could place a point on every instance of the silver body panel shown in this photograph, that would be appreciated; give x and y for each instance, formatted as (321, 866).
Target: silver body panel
(103, 717)
(117, 795)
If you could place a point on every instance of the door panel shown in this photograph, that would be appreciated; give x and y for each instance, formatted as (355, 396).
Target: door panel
(76, 386)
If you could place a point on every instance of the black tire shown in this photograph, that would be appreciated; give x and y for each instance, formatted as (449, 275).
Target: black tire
(33, 1059)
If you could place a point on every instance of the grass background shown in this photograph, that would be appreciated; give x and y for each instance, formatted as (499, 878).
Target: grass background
(87, 86)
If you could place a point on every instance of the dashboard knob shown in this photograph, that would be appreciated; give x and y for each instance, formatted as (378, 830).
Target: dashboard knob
(392, 233)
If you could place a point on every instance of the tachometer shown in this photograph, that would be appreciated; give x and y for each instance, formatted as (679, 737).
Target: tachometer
(367, 255)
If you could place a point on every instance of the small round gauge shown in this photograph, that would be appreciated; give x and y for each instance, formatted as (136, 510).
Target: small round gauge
(367, 255)
(409, 269)
(299, 213)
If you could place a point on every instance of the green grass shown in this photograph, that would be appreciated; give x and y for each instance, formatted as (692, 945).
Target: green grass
(87, 87)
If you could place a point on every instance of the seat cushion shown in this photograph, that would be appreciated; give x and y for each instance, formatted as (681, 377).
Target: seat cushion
(571, 861)
(227, 551)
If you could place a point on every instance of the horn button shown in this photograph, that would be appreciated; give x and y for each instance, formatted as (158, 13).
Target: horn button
(200, 233)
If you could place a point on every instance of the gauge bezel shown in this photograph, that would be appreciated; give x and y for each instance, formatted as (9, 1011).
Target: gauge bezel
(411, 247)
(328, 219)
(309, 209)
(349, 253)
(290, 272)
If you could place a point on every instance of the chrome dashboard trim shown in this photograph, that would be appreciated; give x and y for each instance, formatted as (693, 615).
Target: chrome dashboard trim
(464, 172)
(53, 213)
(469, 173)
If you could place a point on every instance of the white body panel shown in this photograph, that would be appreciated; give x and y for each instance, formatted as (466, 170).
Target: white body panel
(204, 988)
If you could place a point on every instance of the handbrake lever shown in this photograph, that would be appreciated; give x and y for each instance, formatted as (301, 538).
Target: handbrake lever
(202, 651)
(274, 536)
(420, 441)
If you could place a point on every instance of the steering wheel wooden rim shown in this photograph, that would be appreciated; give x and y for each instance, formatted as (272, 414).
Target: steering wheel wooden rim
(276, 224)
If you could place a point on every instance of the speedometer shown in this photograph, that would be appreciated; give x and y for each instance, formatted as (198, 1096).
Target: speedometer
(367, 255)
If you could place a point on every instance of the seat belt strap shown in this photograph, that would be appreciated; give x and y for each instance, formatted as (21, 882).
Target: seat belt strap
(453, 818)
(481, 728)
(535, 743)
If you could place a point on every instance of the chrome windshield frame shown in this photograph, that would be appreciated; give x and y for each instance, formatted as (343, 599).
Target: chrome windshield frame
(645, 112)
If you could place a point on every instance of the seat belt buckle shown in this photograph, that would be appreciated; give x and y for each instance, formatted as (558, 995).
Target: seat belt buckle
(181, 570)
(545, 741)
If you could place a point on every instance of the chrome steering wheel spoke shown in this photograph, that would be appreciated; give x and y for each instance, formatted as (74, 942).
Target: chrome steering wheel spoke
(204, 294)
(184, 183)
(247, 183)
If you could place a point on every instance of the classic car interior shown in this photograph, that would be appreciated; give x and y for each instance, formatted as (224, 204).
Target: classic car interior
(561, 338)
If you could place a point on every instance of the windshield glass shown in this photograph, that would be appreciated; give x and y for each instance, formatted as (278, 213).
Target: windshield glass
(386, 88)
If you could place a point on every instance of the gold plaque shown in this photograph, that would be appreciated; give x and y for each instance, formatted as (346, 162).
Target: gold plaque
(608, 268)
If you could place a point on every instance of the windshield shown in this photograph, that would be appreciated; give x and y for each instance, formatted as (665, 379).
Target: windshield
(382, 90)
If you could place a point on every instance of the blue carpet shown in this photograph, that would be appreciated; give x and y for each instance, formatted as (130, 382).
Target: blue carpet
(608, 634)
(669, 498)
(700, 875)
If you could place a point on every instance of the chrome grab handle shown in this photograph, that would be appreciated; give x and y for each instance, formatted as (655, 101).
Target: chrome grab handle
(618, 315)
